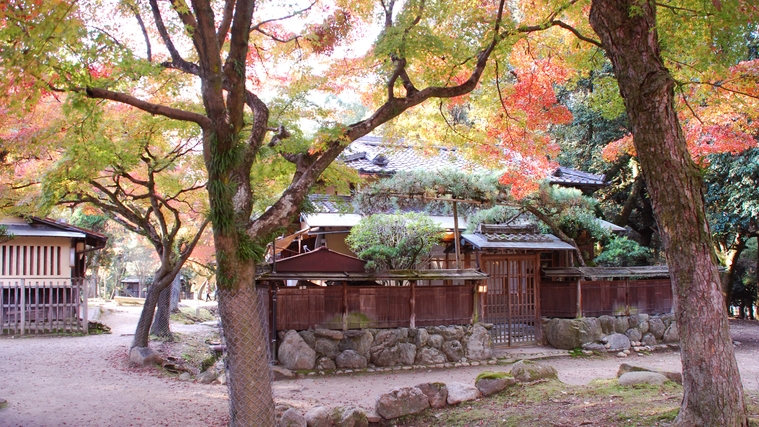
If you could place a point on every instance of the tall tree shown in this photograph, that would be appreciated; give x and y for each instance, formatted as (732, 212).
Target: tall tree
(713, 393)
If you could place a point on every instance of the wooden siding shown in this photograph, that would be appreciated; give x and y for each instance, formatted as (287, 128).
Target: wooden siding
(31, 306)
(372, 306)
(606, 297)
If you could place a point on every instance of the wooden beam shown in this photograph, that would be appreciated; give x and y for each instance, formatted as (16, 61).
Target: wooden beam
(456, 234)
(412, 306)
(345, 305)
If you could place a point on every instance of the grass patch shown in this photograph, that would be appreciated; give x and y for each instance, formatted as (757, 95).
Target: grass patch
(189, 316)
(489, 375)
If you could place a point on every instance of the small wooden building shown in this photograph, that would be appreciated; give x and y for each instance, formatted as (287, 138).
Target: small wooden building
(42, 267)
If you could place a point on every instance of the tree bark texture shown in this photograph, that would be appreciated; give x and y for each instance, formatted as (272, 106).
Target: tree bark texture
(160, 326)
(248, 377)
(142, 331)
(713, 393)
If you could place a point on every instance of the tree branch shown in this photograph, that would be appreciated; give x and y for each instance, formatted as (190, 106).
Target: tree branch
(157, 109)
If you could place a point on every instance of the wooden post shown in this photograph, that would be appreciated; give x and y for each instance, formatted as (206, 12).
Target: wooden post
(456, 235)
(85, 313)
(345, 305)
(536, 283)
(412, 306)
(22, 307)
(579, 297)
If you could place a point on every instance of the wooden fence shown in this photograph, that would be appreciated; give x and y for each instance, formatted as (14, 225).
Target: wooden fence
(355, 307)
(34, 306)
(605, 297)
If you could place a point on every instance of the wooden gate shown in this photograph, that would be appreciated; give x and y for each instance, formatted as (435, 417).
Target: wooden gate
(512, 302)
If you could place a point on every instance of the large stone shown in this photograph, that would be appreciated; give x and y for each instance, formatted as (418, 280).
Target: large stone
(407, 353)
(308, 337)
(460, 392)
(349, 417)
(494, 382)
(671, 335)
(422, 336)
(526, 371)
(453, 350)
(326, 347)
(350, 359)
(643, 326)
(329, 333)
(430, 356)
(292, 418)
(385, 350)
(672, 376)
(567, 334)
(589, 330)
(634, 334)
(435, 341)
(478, 344)
(346, 344)
(364, 343)
(648, 339)
(621, 324)
(594, 347)
(144, 356)
(401, 401)
(635, 378)
(319, 416)
(207, 377)
(616, 342)
(295, 354)
(325, 364)
(607, 324)
(279, 372)
(451, 333)
(437, 394)
(656, 327)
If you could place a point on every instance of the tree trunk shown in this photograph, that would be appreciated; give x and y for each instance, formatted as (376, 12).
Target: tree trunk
(248, 377)
(160, 326)
(731, 261)
(713, 393)
(142, 332)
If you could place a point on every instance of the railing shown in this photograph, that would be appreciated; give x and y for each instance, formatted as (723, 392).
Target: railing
(43, 305)
(355, 307)
(605, 297)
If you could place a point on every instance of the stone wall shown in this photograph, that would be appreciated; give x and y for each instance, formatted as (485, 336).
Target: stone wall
(611, 333)
(326, 349)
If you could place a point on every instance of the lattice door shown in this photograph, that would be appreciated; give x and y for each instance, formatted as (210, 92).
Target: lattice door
(511, 303)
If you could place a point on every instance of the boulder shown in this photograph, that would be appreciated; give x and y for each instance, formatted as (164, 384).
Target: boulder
(671, 335)
(526, 371)
(295, 354)
(319, 416)
(292, 418)
(325, 364)
(451, 333)
(346, 344)
(643, 327)
(349, 417)
(562, 333)
(307, 336)
(672, 376)
(144, 356)
(437, 394)
(401, 401)
(430, 356)
(621, 324)
(494, 382)
(607, 324)
(616, 342)
(435, 341)
(384, 350)
(460, 392)
(407, 353)
(478, 344)
(329, 333)
(656, 327)
(326, 347)
(594, 347)
(207, 377)
(635, 378)
(280, 372)
(648, 339)
(364, 342)
(453, 350)
(634, 334)
(350, 359)
(422, 336)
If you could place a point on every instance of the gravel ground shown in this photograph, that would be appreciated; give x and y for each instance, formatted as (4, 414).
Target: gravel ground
(86, 381)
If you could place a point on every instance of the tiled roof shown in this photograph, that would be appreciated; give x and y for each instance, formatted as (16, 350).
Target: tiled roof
(572, 177)
(324, 203)
(374, 156)
(370, 155)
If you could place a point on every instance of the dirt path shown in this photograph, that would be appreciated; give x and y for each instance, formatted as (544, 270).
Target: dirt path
(85, 381)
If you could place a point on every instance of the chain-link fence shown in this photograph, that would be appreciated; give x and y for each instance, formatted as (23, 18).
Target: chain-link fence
(244, 316)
